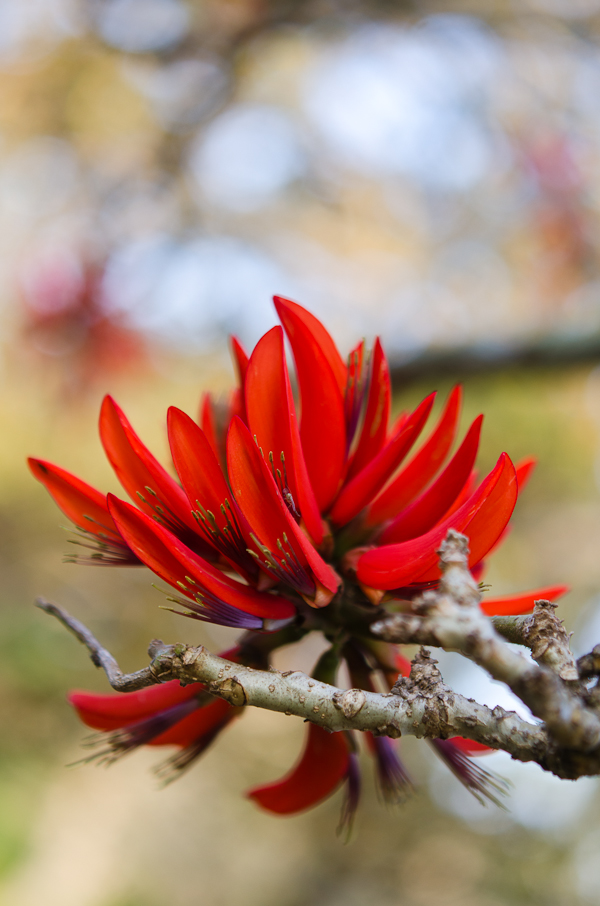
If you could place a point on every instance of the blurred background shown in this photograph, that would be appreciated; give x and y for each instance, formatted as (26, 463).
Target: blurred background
(428, 171)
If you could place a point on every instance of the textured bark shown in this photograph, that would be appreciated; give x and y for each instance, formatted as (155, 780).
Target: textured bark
(567, 742)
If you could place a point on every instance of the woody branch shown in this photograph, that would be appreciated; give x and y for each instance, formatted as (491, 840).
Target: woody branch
(566, 743)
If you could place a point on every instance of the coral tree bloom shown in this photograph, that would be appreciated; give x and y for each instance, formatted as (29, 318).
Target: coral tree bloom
(287, 516)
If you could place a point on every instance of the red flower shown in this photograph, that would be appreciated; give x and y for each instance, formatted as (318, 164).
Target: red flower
(167, 715)
(276, 515)
(325, 763)
(69, 321)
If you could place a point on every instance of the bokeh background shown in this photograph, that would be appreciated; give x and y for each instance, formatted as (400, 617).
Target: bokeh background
(428, 171)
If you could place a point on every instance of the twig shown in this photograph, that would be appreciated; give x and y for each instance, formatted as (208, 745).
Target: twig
(122, 682)
(545, 635)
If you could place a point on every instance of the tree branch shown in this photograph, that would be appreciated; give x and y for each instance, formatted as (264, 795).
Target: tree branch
(421, 705)
(545, 635)
(122, 682)
(450, 618)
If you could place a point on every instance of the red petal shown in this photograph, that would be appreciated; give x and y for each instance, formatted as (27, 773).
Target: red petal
(257, 496)
(354, 392)
(470, 747)
(138, 470)
(240, 359)
(237, 406)
(320, 770)
(322, 381)
(490, 520)
(430, 507)
(272, 421)
(113, 712)
(363, 487)
(465, 494)
(206, 421)
(205, 486)
(374, 429)
(524, 470)
(110, 712)
(190, 730)
(297, 319)
(522, 603)
(196, 463)
(82, 504)
(422, 467)
(170, 559)
(482, 519)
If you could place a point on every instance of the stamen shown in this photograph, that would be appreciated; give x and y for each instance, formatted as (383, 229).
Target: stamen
(482, 784)
(209, 609)
(393, 782)
(120, 742)
(351, 798)
(288, 570)
(173, 767)
(105, 551)
(228, 540)
(165, 516)
(282, 484)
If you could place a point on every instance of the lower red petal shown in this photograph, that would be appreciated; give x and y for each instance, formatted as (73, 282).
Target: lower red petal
(482, 519)
(320, 770)
(512, 605)
(470, 747)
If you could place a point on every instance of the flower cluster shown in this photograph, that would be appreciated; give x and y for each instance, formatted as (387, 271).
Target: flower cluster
(281, 526)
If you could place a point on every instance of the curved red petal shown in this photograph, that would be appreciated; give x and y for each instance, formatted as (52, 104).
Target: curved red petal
(521, 603)
(489, 520)
(322, 382)
(465, 494)
(254, 488)
(257, 496)
(115, 710)
(434, 503)
(237, 406)
(363, 487)
(240, 359)
(354, 392)
(272, 421)
(218, 515)
(483, 518)
(470, 747)
(196, 463)
(82, 504)
(374, 430)
(185, 570)
(524, 470)
(191, 729)
(321, 769)
(138, 470)
(417, 474)
(296, 319)
(206, 420)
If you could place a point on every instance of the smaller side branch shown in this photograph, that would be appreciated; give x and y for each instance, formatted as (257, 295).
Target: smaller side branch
(589, 664)
(122, 682)
(545, 635)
